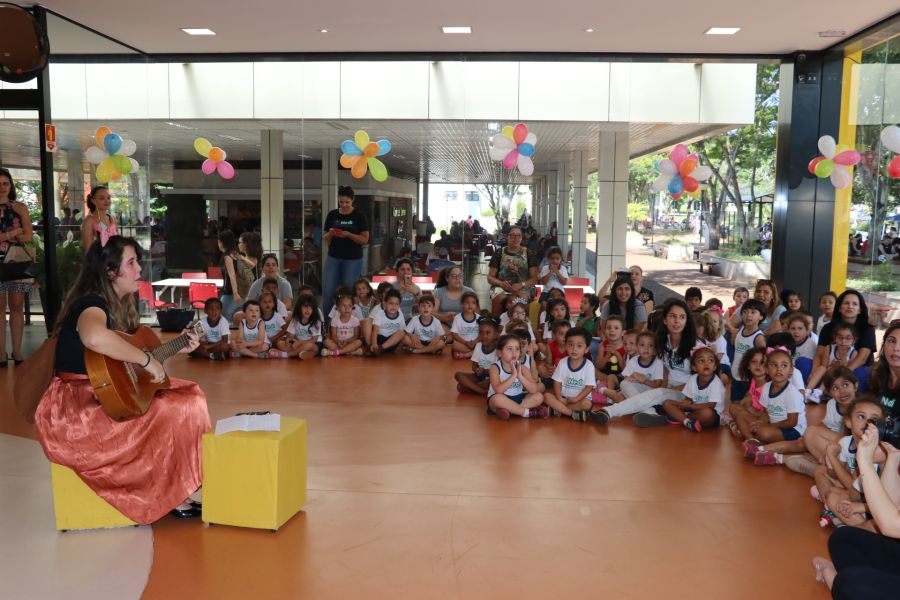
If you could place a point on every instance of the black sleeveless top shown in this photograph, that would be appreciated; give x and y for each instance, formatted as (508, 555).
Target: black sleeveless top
(69, 349)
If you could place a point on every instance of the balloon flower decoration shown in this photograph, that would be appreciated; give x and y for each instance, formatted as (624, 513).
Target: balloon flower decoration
(359, 156)
(890, 139)
(215, 159)
(835, 162)
(515, 147)
(112, 155)
(679, 173)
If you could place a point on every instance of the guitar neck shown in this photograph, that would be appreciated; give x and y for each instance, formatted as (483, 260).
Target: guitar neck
(170, 348)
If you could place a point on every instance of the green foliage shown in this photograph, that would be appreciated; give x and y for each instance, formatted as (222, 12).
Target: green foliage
(875, 278)
(68, 261)
(638, 212)
(737, 255)
(28, 191)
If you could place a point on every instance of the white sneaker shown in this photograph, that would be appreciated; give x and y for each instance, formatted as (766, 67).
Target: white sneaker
(326, 352)
(814, 396)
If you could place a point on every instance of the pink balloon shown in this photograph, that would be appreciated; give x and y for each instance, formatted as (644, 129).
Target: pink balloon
(848, 158)
(679, 153)
(694, 158)
(519, 133)
(208, 167)
(225, 169)
(841, 178)
(511, 159)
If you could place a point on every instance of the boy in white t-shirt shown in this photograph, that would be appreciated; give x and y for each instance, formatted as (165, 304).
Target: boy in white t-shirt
(388, 324)
(573, 379)
(483, 356)
(424, 332)
(214, 341)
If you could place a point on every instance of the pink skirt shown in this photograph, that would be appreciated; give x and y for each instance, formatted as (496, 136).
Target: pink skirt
(145, 466)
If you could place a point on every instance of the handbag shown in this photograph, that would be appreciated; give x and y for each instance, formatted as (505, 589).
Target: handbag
(33, 378)
(18, 264)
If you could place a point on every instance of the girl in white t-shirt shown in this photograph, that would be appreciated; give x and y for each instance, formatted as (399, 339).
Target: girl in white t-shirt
(464, 329)
(704, 394)
(552, 275)
(512, 389)
(303, 333)
(214, 341)
(785, 416)
(483, 356)
(344, 339)
(271, 320)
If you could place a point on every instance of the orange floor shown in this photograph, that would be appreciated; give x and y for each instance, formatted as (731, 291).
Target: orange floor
(415, 493)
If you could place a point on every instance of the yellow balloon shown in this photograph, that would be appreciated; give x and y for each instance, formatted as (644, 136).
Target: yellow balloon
(101, 133)
(361, 138)
(202, 146)
(105, 170)
(508, 132)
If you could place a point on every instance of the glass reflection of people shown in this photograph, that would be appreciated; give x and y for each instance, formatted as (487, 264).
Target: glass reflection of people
(146, 466)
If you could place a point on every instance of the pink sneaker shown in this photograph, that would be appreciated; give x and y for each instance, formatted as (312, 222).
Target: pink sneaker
(751, 447)
(538, 412)
(598, 397)
(502, 414)
(765, 459)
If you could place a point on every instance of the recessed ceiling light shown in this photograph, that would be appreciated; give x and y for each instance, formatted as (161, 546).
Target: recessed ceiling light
(198, 31)
(722, 30)
(589, 30)
(833, 33)
(323, 31)
(454, 29)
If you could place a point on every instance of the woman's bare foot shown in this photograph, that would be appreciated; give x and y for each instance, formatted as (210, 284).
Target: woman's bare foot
(824, 570)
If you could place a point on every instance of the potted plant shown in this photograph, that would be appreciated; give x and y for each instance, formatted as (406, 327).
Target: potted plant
(68, 263)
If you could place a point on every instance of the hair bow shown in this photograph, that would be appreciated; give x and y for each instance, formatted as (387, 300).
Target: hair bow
(774, 348)
(718, 309)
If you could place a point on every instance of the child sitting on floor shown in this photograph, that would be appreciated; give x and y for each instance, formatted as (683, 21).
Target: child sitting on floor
(344, 339)
(424, 332)
(611, 355)
(752, 369)
(556, 351)
(465, 328)
(303, 333)
(785, 416)
(704, 394)
(528, 351)
(749, 335)
(740, 295)
(388, 325)
(512, 389)
(826, 305)
(483, 356)
(364, 299)
(573, 378)
(841, 352)
(365, 324)
(517, 312)
(214, 341)
(250, 338)
(646, 368)
(271, 320)
(270, 284)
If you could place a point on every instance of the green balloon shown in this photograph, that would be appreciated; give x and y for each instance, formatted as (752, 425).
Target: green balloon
(122, 164)
(825, 168)
(378, 170)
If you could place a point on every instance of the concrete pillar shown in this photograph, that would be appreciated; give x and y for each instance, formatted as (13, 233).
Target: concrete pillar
(562, 207)
(271, 187)
(578, 239)
(612, 182)
(75, 172)
(550, 208)
(537, 198)
(330, 161)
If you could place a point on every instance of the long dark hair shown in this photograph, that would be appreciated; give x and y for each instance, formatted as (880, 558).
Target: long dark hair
(880, 382)
(306, 300)
(12, 183)
(862, 319)
(229, 242)
(90, 197)
(444, 276)
(615, 309)
(99, 264)
(688, 335)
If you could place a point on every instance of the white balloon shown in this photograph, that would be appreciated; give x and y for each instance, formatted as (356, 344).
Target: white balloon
(661, 183)
(526, 167)
(134, 165)
(841, 177)
(890, 138)
(667, 167)
(128, 148)
(531, 139)
(498, 153)
(95, 155)
(827, 146)
(501, 141)
(702, 173)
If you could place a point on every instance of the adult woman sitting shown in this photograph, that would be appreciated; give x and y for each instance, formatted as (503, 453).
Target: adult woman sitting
(623, 302)
(409, 291)
(767, 293)
(885, 380)
(447, 294)
(99, 225)
(144, 467)
(512, 272)
(851, 309)
(15, 228)
(270, 269)
(346, 231)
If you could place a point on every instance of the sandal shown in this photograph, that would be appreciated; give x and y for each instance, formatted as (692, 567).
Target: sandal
(735, 430)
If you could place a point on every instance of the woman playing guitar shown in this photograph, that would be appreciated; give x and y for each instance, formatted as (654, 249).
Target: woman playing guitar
(147, 466)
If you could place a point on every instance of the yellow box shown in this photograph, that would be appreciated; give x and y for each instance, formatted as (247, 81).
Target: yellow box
(255, 478)
(78, 507)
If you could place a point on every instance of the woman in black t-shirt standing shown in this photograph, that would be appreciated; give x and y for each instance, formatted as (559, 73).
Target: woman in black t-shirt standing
(346, 231)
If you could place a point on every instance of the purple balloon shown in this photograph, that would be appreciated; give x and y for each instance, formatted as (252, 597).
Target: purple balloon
(208, 167)
(225, 169)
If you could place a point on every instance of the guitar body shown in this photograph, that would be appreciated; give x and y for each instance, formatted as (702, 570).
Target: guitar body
(124, 390)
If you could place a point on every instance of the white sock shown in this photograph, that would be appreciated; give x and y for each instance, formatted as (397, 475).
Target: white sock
(687, 422)
(779, 457)
(526, 415)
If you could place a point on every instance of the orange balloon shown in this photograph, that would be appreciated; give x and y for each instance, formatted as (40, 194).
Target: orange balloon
(216, 154)
(101, 133)
(359, 167)
(687, 167)
(371, 150)
(348, 161)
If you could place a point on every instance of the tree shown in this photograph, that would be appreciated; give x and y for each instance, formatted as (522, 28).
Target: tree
(500, 197)
(29, 192)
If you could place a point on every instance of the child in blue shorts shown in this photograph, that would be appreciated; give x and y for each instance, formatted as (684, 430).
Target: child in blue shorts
(483, 356)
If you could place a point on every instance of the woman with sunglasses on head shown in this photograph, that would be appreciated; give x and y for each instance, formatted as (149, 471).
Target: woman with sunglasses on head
(15, 229)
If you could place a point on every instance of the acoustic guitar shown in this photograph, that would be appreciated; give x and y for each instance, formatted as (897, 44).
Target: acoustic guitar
(125, 390)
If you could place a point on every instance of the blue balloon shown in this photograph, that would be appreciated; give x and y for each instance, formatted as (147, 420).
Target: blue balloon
(526, 149)
(112, 142)
(676, 185)
(384, 147)
(350, 148)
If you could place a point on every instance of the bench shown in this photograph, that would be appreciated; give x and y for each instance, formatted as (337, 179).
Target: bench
(709, 263)
(646, 239)
(881, 314)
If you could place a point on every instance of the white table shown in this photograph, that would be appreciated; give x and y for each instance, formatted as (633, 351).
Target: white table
(178, 282)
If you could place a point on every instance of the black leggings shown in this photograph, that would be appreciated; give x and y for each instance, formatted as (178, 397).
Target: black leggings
(867, 564)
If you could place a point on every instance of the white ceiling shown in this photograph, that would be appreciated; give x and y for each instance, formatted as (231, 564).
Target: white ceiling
(648, 26)
(440, 151)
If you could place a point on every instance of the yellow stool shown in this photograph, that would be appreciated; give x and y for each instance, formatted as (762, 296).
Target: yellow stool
(255, 478)
(78, 507)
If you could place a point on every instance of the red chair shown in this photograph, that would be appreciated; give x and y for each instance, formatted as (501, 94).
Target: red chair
(199, 293)
(390, 271)
(193, 275)
(292, 265)
(145, 294)
(573, 299)
(578, 281)
(421, 279)
(214, 272)
(435, 276)
(380, 278)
